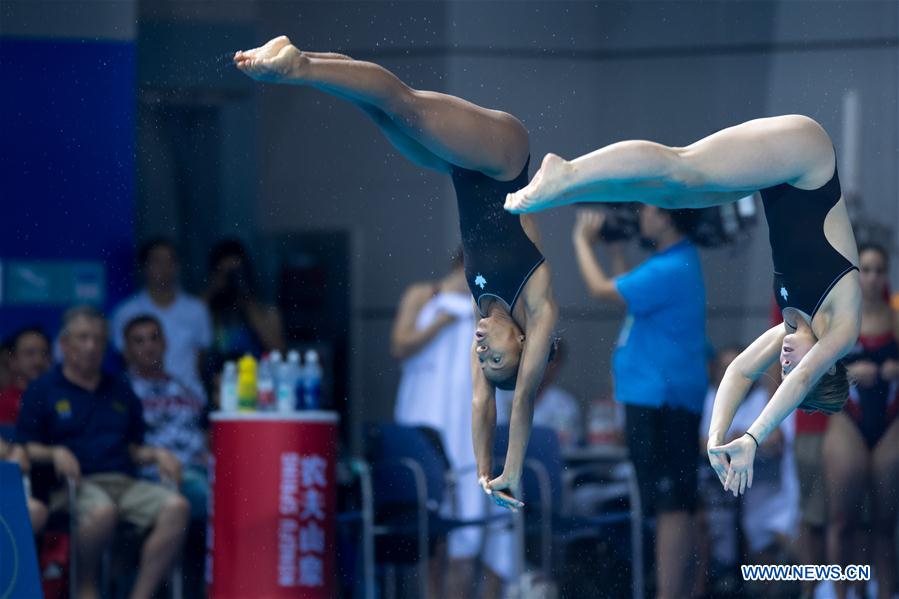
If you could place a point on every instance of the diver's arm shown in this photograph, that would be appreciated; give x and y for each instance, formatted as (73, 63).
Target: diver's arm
(542, 317)
(483, 420)
(738, 379)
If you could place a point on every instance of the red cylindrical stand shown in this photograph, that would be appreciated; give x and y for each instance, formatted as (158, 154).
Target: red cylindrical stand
(272, 506)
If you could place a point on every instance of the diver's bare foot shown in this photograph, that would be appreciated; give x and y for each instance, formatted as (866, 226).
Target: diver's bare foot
(278, 61)
(544, 189)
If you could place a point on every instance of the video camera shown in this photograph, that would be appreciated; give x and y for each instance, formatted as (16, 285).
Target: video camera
(714, 227)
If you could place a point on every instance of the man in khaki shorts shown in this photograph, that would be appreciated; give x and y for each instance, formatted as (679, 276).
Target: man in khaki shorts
(89, 425)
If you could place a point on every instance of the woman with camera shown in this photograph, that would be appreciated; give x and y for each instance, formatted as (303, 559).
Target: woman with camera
(241, 323)
(658, 367)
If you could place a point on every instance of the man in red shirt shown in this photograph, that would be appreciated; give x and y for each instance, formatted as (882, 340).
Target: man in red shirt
(30, 349)
(5, 359)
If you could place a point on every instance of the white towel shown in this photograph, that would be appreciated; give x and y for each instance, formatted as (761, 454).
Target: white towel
(435, 391)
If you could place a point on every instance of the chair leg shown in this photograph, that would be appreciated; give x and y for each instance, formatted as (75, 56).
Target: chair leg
(73, 537)
(480, 568)
(368, 523)
(422, 551)
(445, 569)
(546, 542)
(519, 545)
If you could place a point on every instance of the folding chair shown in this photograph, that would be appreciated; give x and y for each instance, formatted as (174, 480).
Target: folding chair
(410, 481)
(358, 469)
(72, 495)
(552, 479)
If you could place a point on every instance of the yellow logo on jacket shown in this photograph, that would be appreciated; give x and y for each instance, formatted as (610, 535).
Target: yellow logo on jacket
(64, 408)
(119, 407)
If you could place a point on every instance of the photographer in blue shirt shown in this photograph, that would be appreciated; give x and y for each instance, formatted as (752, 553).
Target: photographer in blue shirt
(659, 370)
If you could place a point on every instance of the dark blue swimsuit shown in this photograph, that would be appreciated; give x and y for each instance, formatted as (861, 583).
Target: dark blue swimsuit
(806, 266)
(499, 256)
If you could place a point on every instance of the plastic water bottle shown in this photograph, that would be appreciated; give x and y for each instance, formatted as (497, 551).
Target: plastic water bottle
(275, 359)
(265, 385)
(299, 385)
(288, 373)
(246, 384)
(312, 381)
(228, 388)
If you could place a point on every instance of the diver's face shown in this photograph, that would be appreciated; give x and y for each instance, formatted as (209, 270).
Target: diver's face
(794, 347)
(872, 274)
(498, 347)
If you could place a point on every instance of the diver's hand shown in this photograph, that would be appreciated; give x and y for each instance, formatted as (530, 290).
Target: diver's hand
(717, 460)
(741, 453)
(503, 490)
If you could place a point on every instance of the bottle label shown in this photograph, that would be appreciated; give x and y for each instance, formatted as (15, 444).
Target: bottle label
(266, 398)
(285, 398)
(229, 399)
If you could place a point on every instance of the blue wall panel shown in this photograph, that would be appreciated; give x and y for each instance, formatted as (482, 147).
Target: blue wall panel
(67, 137)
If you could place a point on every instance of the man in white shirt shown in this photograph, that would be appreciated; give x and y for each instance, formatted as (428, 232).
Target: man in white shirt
(185, 320)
